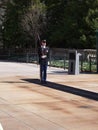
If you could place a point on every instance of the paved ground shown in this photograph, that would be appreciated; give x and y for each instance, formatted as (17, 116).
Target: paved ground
(67, 102)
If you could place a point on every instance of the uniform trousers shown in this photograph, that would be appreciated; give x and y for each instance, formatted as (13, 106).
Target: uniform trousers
(43, 72)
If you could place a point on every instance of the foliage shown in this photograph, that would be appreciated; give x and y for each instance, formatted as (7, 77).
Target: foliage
(72, 23)
(34, 20)
(12, 32)
(68, 23)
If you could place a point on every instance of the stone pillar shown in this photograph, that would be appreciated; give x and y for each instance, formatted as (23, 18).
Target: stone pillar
(74, 62)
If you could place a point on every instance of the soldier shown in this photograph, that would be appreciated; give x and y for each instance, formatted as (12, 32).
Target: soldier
(43, 53)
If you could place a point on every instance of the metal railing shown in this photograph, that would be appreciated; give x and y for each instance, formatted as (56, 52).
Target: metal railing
(58, 58)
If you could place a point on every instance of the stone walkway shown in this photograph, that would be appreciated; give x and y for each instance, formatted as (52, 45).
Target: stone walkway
(66, 102)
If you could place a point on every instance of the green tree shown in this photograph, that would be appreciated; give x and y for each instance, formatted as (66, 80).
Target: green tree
(55, 14)
(2, 12)
(34, 21)
(72, 24)
(12, 33)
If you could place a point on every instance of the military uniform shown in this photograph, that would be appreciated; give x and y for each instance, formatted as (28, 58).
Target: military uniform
(43, 53)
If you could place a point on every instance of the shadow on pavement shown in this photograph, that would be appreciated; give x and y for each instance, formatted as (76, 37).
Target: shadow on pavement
(64, 88)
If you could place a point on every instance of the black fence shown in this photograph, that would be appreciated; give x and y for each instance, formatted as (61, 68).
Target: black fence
(58, 58)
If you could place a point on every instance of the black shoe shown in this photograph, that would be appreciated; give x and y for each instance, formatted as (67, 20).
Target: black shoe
(42, 82)
(45, 82)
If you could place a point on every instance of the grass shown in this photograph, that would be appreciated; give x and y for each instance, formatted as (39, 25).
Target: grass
(85, 65)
